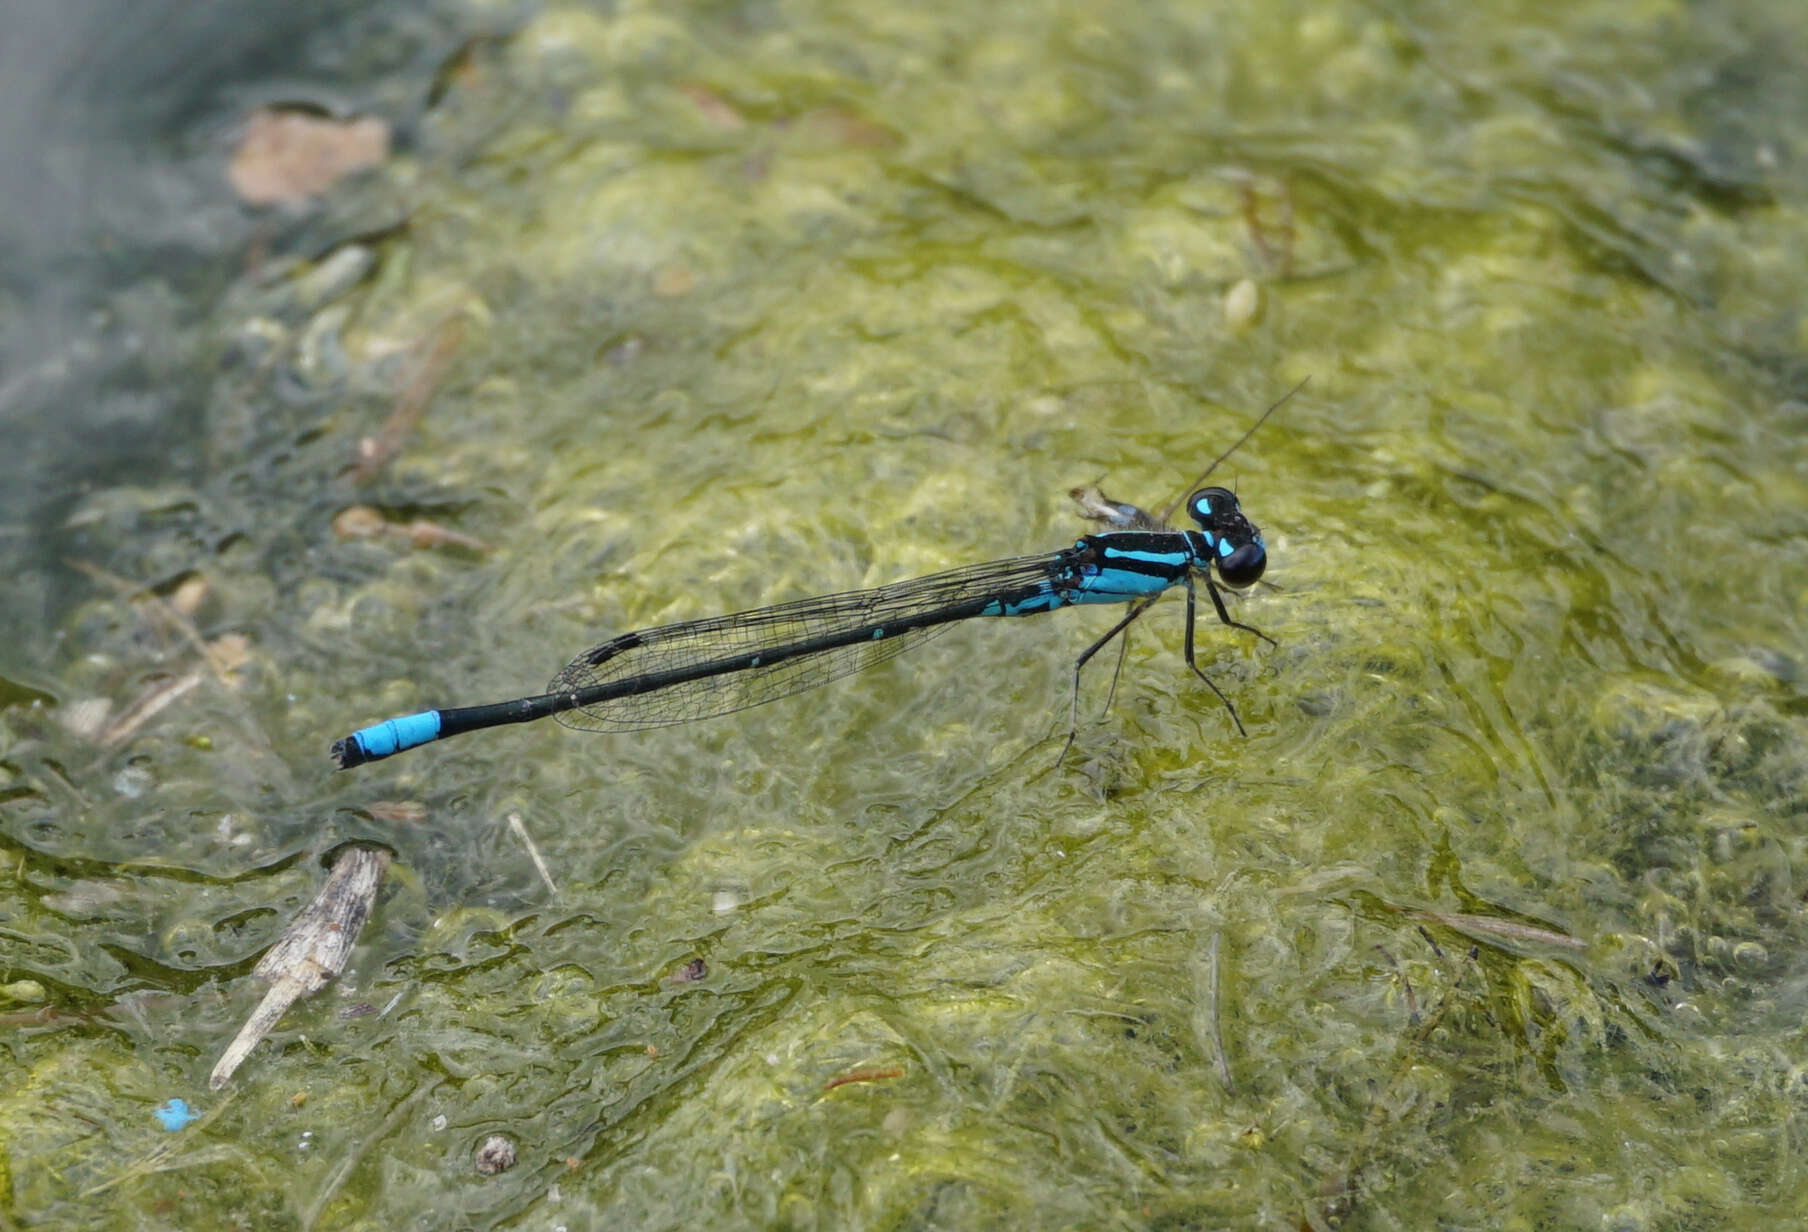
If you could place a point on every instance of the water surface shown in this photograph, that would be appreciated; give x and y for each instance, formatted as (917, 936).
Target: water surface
(1493, 919)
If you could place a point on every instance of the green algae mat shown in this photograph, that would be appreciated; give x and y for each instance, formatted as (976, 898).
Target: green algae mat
(1494, 919)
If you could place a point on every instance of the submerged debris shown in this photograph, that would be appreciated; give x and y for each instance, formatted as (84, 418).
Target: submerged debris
(533, 851)
(494, 1154)
(312, 951)
(364, 522)
(429, 360)
(1213, 1027)
(689, 973)
(863, 1075)
(286, 157)
(406, 812)
(1513, 930)
(145, 707)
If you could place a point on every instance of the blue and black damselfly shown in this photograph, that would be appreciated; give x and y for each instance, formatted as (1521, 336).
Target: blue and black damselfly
(697, 669)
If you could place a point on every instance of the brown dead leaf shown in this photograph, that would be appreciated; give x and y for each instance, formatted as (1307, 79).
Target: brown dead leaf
(286, 157)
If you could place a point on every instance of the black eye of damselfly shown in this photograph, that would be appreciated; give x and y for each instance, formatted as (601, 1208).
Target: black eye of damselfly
(1244, 566)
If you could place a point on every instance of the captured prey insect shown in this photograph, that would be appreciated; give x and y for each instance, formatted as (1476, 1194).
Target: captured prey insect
(697, 669)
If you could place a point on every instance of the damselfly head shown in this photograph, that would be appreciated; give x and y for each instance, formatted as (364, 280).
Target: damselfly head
(1238, 552)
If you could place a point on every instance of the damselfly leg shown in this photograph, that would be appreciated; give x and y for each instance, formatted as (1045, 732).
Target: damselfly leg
(1218, 602)
(1191, 605)
(1073, 705)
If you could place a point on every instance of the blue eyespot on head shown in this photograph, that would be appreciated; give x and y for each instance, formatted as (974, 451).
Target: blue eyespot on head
(1212, 506)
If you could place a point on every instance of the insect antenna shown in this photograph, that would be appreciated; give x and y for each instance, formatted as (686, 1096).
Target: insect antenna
(1205, 474)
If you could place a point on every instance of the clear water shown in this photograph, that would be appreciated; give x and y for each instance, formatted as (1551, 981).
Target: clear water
(1495, 918)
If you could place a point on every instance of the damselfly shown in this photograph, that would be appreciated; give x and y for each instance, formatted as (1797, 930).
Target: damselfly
(697, 669)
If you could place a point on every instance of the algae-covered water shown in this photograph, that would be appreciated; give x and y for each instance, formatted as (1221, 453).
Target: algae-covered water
(1494, 919)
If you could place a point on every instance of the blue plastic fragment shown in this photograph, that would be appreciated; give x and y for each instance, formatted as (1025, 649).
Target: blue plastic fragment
(175, 1114)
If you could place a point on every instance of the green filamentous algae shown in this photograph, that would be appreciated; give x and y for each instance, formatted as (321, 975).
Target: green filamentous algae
(658, 312)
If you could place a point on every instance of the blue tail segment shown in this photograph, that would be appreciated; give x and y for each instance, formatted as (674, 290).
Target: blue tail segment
(387, 738)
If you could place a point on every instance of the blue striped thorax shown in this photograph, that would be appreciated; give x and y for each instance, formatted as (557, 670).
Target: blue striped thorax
(1128, 565)
(1122, 566)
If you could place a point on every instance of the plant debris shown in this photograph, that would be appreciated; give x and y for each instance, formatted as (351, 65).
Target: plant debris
(288, 157)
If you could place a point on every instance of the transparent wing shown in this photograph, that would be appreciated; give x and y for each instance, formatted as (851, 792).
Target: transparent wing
(735, 637)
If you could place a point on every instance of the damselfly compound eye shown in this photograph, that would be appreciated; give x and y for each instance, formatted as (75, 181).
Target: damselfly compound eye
(1244, 566)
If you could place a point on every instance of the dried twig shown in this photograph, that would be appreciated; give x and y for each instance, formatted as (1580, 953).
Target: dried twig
(146, 707)
(426, 368)
(533, 852)
(161, 610)
(312, 951)
(863, 1075)
(223, 657)
(1273, 256)
(361, 1147)
(1214, 1021)
(1510, 929)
